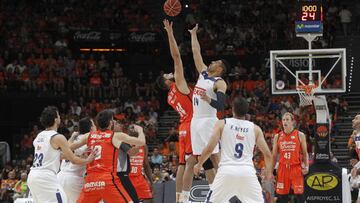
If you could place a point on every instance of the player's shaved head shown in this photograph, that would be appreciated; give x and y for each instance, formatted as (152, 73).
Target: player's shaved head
(240, 107)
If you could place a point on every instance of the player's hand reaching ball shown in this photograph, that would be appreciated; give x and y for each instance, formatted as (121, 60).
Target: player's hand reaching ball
(197, 169)
(194, 30)
(168, 25)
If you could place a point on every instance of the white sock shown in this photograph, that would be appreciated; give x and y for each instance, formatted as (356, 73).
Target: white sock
(178, 197)
(185, 196)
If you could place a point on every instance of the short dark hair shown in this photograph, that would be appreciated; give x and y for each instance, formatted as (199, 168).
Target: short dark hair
(103, 119)
(240, 106)
(48, 116)
(85, 125)
(224, 65)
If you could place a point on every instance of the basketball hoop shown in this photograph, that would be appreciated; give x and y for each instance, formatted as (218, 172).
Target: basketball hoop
(306, 94)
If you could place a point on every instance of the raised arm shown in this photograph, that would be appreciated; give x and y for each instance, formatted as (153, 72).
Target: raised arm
(175, 54)
(77, 144)
(218, 129)
(120, 137)
(262, 145)
(305, 154)
(195, 46)
(59, 141)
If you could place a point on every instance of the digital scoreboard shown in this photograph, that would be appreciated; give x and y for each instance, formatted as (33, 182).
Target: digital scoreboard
(309, 17)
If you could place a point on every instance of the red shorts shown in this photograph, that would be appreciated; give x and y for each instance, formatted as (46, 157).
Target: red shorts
(289, 176)
(184, 141)
(142, 187)
(96, 187)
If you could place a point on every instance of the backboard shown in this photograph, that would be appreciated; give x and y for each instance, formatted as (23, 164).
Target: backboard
(325, 68)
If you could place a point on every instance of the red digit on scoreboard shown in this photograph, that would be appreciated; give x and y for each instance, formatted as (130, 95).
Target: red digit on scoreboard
(304, 16)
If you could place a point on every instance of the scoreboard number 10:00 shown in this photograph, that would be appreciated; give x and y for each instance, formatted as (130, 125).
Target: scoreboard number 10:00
(309, 12)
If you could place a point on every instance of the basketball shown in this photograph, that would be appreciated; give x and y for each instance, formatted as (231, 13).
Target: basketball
(172, 7)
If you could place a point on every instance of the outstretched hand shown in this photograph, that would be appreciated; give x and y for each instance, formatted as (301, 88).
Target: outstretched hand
(194, 30)
(168, 25)
(93, 154)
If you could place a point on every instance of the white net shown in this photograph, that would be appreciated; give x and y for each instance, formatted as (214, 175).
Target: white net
(306, 94)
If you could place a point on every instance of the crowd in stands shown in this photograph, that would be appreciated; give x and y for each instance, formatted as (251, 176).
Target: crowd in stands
(36, 58)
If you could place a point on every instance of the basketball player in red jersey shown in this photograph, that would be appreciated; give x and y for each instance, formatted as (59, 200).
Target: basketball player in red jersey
(179, 98)
(101, 181)
(141, 183)
(290, 144)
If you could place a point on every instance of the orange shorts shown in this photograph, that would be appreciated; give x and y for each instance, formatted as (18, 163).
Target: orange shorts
(142, 187)
(289, 176)
(109, 189)
(184, 141)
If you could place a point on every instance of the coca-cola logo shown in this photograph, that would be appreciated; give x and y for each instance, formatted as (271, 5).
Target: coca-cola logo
(142, 37)
(88, 36)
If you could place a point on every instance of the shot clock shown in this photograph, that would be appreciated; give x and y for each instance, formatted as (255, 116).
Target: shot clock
(309, 17)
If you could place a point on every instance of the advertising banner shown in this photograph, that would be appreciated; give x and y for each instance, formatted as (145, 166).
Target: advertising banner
(323, 183)
(322, 143)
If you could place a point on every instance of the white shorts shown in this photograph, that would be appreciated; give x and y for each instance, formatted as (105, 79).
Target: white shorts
(45, 188)
(72, 185)
(201, 132)
(227, 185)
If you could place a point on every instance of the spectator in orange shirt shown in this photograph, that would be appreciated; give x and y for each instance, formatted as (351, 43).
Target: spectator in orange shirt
(7, 185)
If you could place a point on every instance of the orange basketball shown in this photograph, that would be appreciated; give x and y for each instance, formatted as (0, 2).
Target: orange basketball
(172, 7)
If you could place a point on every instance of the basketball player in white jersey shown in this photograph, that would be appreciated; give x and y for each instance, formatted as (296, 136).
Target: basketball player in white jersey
(236, 175)
(208, 98)
(71, 176)
(49, 144)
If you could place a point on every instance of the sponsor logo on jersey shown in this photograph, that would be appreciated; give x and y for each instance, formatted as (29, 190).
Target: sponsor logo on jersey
(240, 137)
(322, 181)
(280, 185)
(182, 133)
(288, 146)
(199, 91)
(94, 185)
(100, 136)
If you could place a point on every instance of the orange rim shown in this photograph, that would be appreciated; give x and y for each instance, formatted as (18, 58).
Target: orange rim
(306, 88)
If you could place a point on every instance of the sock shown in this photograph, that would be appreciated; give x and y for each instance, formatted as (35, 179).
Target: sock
(178, 197)
(185, 196)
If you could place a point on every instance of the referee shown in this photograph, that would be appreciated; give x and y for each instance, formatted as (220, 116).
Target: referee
(123, 170)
